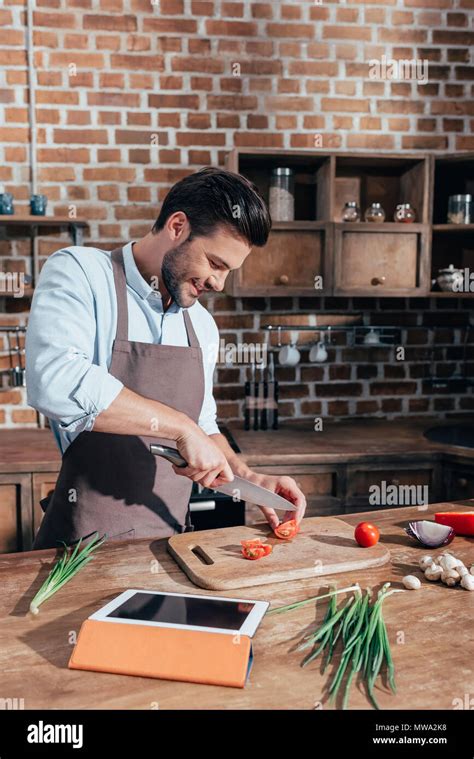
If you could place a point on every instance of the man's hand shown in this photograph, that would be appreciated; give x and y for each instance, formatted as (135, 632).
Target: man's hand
(207, 463)
(287, 488)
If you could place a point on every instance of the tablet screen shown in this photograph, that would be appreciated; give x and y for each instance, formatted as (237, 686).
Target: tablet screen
(184, 610)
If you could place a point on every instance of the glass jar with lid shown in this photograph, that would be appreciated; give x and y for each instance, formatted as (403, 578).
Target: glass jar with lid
(282, 194)
(351, 211)
(460, 209)
(404, 213)
(375, 213)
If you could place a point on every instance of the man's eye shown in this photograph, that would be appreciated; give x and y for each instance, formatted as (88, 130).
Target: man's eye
(214, 265)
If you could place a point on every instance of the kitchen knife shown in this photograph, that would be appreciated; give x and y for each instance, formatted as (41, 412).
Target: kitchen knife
(248, 491)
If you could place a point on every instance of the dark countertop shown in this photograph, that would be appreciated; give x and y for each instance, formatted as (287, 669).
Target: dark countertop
(344, 442)
(28, 450)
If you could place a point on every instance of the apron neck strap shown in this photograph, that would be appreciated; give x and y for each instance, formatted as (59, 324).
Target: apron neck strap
(192, 339)
(121, 294)
(122, 306)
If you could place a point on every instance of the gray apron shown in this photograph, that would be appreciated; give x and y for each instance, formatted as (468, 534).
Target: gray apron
(112, 483)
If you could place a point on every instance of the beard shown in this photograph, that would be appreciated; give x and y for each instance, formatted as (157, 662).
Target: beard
(173, 271)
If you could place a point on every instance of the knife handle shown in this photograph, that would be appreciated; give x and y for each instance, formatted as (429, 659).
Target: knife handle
(170, 454)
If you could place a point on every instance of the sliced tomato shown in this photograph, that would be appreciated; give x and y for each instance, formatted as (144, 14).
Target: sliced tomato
(252, 542)
(462, 522)
(253, 552)
(287, 530)
(255, 549)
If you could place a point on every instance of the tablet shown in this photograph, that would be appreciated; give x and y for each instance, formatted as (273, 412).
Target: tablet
(231, 616)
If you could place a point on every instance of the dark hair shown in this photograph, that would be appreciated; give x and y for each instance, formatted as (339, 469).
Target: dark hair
(211, 197)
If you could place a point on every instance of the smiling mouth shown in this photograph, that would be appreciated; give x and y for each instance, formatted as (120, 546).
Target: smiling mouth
(198, 290)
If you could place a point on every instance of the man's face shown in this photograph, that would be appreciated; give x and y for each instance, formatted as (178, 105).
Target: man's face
(201, 264)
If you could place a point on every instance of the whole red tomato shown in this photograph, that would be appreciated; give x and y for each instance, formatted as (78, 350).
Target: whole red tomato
(366, 534)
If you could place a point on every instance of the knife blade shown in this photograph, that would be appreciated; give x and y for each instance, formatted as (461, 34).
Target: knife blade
(248, 491)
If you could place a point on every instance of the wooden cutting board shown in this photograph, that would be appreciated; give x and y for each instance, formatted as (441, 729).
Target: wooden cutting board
(324, 546)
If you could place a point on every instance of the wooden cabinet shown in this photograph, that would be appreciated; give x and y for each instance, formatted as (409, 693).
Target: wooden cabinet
(20, 511)
(389, 259)
(289, 263)
(319, 483)
(15, 512)
(347, 488)
(460, 481)
(389, 486)
(347, 259)
(43, 486)
(452, 244)
(382, 259)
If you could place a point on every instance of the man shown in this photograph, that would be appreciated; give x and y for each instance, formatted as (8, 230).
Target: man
(117, 354)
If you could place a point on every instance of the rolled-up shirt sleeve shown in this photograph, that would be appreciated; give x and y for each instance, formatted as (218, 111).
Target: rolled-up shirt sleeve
(63, 382)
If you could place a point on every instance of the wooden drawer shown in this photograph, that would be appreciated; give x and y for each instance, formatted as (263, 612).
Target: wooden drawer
(379, 259)
(288, 263)
(416, 485)
(460, 483)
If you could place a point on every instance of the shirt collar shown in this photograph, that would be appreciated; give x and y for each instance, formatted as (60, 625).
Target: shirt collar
(139, 284)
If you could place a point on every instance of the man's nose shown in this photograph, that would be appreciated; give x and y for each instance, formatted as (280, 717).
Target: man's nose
(216, 282)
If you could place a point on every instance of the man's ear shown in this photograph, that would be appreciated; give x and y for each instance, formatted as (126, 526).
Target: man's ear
(177, 226)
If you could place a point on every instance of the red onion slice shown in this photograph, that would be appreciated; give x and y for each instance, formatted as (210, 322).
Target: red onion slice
(429, 534)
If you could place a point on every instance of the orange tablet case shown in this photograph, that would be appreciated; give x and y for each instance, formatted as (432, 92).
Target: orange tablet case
(163, 652)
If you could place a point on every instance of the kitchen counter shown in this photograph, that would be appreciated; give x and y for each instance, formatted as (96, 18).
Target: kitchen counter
(344, 442)
(27, 450)
(433, 626)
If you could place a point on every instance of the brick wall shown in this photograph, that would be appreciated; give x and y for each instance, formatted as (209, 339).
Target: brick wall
(132, 95)
(360, 381)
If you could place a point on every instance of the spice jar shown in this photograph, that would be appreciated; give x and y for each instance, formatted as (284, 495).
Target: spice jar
(404, 213)
(6, 203)
(459, 209)
(282, 196)
(375, 213)
(351, 211)
(38, 205)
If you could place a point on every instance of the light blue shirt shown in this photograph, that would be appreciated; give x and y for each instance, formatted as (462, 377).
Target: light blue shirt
(71, 330)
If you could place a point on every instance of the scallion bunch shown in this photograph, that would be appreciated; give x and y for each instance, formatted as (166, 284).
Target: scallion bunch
(359, 628)
(66, 567)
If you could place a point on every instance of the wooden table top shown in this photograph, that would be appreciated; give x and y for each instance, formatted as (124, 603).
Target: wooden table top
(430, 631)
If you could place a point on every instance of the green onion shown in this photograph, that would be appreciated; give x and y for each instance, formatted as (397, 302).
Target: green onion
(65, 568)
(298, 604)
(360, 626)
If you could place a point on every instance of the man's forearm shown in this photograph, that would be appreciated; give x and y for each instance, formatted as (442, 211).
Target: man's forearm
(132, 414)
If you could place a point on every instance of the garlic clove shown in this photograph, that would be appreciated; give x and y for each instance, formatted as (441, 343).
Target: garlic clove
(411, 582)
(467, 582)
(450, 577)
(425, 562)
(448, 562)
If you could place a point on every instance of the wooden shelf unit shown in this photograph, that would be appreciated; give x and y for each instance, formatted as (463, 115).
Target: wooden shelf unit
(317, 243)
(32, 224)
